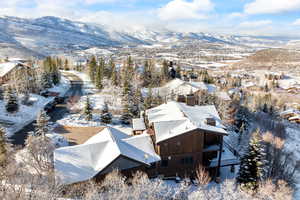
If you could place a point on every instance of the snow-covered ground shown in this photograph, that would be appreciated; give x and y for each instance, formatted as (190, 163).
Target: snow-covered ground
(292, 146)
(98, 98)
(26, 114)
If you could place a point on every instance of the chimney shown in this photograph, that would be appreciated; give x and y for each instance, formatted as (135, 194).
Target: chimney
(190, 100)
(211, 121)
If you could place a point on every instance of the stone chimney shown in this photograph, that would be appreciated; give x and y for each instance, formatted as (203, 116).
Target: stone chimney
(211, 121)
(190, 100)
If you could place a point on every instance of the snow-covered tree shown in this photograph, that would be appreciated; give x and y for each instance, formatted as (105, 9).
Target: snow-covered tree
(252, 162)
(88, 109)
(92, 68)
(45, 81)
(3, 147)
(42, 124)
(106, 116)
(11, 100)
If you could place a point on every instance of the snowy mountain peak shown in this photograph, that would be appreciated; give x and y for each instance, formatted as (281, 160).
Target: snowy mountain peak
(52, 35)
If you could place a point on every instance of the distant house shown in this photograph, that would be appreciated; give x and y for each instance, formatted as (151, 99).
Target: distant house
(291, 115)
(108, 150)
(178, 87)
(8, 69)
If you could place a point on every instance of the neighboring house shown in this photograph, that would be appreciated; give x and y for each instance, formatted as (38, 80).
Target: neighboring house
(186, 137)
(291, 115)
(178, 87)
(108, 150)
(8, 69)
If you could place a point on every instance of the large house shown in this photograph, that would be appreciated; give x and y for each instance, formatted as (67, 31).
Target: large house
(170, 140)
(185, 137)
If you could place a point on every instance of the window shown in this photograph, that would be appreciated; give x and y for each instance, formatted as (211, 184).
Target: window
(164, 163)
(187, 161)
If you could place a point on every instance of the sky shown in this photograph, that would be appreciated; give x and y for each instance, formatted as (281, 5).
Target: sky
(253, 17)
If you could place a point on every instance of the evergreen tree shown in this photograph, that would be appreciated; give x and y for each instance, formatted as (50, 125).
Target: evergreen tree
(11, 100)
(1, 93)
(66, 65)
(252, 162)
(178, 71)
(149, 99)
(106, 116)
(45, 81)
(88, 109)
(114, 75)
(3, 147)
(99, 75)
(92, 68)
(165, 70)
(42, 124)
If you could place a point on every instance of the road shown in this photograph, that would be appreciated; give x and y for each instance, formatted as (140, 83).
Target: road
(73, 94)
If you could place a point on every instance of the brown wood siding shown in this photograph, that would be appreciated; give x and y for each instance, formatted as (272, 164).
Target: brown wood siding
(190, 142)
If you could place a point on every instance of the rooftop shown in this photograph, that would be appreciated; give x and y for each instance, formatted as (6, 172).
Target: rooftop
(174, 118)
(82, 162)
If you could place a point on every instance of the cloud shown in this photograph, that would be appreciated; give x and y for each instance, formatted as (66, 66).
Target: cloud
(297, 22)
(255, 24)
(183, 9)
(271, 6)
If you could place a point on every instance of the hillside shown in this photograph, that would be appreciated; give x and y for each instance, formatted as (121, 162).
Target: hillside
(270, 59)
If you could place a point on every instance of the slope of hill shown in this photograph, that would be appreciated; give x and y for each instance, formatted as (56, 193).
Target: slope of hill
(271, 58)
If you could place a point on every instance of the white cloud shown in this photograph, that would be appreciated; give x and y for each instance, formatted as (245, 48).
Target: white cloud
(183, 9)
(271, 6)
(255, 24)
(297, 22)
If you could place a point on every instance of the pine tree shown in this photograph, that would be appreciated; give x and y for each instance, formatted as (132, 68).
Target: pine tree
(114, 75)
(88, 109)
(99, 75)
(66, 65)
(92, 68)
(45, 81)
(106, 116)
(11, 100)
(3, 147)
(251, 167)
(42, 124)
(165, 70)
(178, 71)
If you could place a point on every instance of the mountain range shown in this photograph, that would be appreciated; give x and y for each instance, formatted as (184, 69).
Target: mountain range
(51, 35)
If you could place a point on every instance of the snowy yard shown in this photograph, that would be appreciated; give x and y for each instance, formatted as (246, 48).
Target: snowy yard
(97, 98)
(27, 114)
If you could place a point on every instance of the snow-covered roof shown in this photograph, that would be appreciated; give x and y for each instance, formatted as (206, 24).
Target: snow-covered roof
(289, 112)
(223, 95)
(138, 124)
(174, 118)
(7, 67)
(82, 162)
(180, 87)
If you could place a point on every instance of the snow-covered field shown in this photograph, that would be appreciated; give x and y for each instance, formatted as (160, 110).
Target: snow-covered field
(27, 114)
